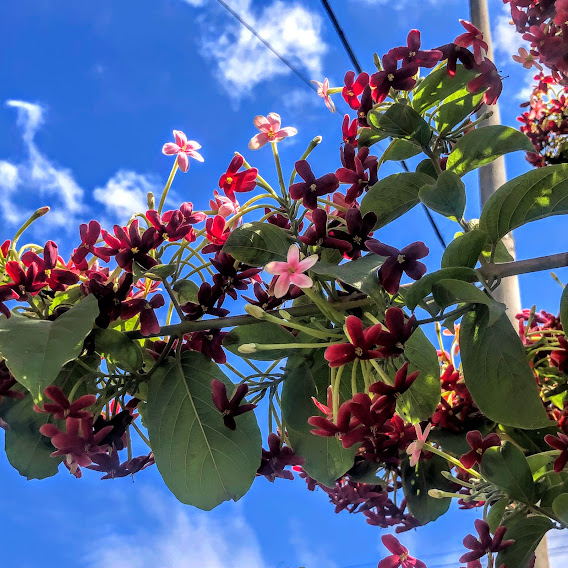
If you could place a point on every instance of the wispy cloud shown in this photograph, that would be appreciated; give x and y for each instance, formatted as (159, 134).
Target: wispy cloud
(242, 62)
(506, 39)
(177, 537)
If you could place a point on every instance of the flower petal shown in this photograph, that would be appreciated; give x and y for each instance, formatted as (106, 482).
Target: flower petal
(170, 148)
(301, 280)
(282, 285)
(258, 141)
(181, 138)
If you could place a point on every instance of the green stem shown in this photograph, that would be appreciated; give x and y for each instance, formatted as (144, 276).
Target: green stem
(167, 187)
(279, 171)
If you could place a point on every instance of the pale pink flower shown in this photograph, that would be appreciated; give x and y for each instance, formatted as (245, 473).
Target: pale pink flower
(223, 205)
(415, 449)
(183, 148)
(323, 93)
(526, 59)
(270, 131)
(290, 272)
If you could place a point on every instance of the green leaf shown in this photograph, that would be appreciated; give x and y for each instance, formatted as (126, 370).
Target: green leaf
(438, 85)
(423, 287)
(401, 121)
(485, 144)
(495, 515)
(419, 402)
(537, 194)
(560, 507)
(393, 196)
(416, 483)
(564, 308)
(360, 273)
(202, 462)
(118, 349)
(160, 272)
(446, 196)
(185, 291)
(264, 332)
(427, 167)
(507, 468)
(326, 459)
(450, 291)
(527, 532)
(497, 373)
(539, 461)
(365, 471)
(48, 345)
(456, 108)
(67, 297)
(401, 150)
(258, 243)
(464, 250)
(368, 137)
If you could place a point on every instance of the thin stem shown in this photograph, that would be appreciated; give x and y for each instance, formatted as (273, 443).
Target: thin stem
(174, 300)
(279, 171)
(167, 187)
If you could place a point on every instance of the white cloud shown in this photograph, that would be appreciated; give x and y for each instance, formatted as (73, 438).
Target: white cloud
(506, 39)
(9, 176)
(177, 537)
(195, 3)
(125, 193)
(243, 62)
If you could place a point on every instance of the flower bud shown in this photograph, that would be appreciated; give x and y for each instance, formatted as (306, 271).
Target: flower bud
(247, 348)
(254, 311)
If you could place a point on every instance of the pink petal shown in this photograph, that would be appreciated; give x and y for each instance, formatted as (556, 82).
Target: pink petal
(258, 141)
(170, 148)
(195, 155)
(293, 257)
(307, 263)
(276, 268)
(274, 120)
(261, 123)
(301, 280)
(282, 285)
(284, 132)
(192, 145)
(183, 162)
(181, 138)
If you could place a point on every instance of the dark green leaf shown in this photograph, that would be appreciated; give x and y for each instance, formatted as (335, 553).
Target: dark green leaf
(258, 243)
(160, 272)
(507, 468)
(527, 532)
(446, 196)
(48, 345)
(485, 144)
(326, 459)
(368, 137)
(456, 108)
(449, 291)
(393, 196)
(560, 508)
(263, 332)
(423, 287)
(464, 250)
(365, 472)
(427, 167)
(438, 85)
(420, 401)
(539, 461)
(539, 193)
(401, 150)
(495, 515)
(360, 273)
(67, 297)
(416, 483)
(497, 372)
(202, 462)
(401, 121)
(118, 349)
(186, 291)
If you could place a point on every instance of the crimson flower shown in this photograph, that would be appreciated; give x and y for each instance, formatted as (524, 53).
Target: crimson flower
(270, 131)
(349, 130)
(399, 557)
(358, 179)
(478, 446)
(399, 262)
(354, 87)
(233, 180)
(402, 382)
(184, 149)
(480, 547)
(175, 228)
(276, 458)
(472, 37)
(317, 234)
(392, 341)
(360, 346)
(149, 323)
(207, 297)
(311, 188)
(189, 215)
(210, 343)
(452, 53)
(217, 233)
(58, 279)
(23, 283)
(365, 106)
(558, 443)
(230, 408)
(489, 77)
(391, 77)
(62, 408)
(6, 293)
(412, 53)
(359, 229)
(324, 426)
(89, 236)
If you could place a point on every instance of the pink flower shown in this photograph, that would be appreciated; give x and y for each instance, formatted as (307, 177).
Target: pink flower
(222, 205)
(415, 449)
(399, 555)
(270, 131)
(526, 59)
(323, 93)
(183, 148)
(290, 272)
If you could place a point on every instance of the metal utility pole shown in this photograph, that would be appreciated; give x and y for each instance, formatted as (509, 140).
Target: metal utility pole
(491, 177)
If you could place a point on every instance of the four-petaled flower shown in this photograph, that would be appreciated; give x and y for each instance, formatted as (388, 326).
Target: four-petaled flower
(480, 547)
(354, 87)
(311, 188)
(291, 271)
(474, 37)
(413, 54)
(391, 77)
(270, 131)
(230, 408)
(233, 180)
(399, 557)
(478, 446)
(62, 408)
(184, 148)
(415, 449)
(526, 59)
(323, 93)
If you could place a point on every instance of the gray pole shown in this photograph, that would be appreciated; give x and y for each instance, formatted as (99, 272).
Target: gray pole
(491, 177)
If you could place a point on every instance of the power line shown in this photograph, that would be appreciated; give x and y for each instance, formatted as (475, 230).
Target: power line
(265, 42)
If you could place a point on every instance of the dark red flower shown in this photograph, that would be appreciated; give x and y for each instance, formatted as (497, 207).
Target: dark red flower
(558, 443)
(62, 408)
(478, 446)
(149, 323)
(232, 275)
(210, 343)
(312, 188)
(453, 53)
(489, 77)
(481, 546)
(23, 283)
(413, 54)
(317, 233)
(263, 299)
(359, 229)
(399, 332)
(358, 179)
(354, 87)
(7, 381)
(89, 236)
(207, 297)
(276, 458)
(233, 180)
(398, 262)
(57, 278)
(217, 233)
(402, 382)
(390, 77)
(472, 37)
(349, 130)
(365, 107)
(174, 229)
(399, 557)
(230, 408)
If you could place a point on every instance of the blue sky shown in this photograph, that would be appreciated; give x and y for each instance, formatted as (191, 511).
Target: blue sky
(89, 93)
